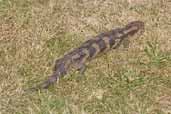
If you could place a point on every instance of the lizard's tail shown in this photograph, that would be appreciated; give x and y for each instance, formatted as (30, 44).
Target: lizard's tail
(51, 80)
(44, 85)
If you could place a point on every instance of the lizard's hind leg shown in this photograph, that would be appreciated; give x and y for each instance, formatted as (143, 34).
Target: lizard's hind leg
(81, 67)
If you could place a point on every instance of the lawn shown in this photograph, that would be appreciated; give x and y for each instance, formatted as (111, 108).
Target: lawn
(132, 80)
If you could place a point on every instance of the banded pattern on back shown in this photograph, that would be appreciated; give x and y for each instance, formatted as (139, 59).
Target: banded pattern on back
(89, 49)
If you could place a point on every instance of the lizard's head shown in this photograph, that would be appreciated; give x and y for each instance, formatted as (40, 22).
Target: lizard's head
(134, 27)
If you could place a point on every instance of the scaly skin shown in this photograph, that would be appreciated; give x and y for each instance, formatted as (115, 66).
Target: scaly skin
(90, 49)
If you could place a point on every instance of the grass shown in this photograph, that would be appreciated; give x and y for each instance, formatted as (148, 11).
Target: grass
(34, 33)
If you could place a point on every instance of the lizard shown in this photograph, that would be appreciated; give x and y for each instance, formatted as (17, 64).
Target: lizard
(89, 49)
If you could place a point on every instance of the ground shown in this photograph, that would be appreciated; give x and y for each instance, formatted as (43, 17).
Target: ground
(132, 80)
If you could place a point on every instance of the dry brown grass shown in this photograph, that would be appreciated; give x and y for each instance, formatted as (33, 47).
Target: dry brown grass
(33, 33)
